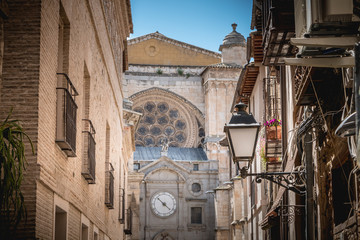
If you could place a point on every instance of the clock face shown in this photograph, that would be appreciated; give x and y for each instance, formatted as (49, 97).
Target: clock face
(163, 204)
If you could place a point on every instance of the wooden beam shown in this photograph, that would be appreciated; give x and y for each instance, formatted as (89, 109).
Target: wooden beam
(334, 62)
(325, 41)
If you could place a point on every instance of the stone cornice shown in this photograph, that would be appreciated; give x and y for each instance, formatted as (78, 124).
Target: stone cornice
(222, 67)
(161, 37)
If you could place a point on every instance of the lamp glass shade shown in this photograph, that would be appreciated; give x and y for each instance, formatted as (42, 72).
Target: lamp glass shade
(242, 141)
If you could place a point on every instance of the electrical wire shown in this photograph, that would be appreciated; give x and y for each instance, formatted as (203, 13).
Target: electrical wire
(332, 143)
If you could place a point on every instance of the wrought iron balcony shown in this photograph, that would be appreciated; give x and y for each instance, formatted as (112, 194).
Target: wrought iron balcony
(109, 186)
(128, 226)
(66, 115)
(278, 26)
(303, 96)
(274, 166)
(273, 111)
(89, 163)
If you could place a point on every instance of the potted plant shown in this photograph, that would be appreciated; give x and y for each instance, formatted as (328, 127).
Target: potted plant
(273, 129)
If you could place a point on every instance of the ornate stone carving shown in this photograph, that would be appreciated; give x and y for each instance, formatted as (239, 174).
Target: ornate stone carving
(152, 50)
(167, 116)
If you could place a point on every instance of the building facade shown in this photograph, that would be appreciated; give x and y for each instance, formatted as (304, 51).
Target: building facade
(302, 74)
(61, 73)
(184, 93)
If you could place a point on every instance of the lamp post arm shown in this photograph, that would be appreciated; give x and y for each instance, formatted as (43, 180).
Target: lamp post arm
(293, 181)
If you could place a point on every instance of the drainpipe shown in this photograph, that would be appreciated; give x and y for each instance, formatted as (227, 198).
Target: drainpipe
(251, 207)
(310, 220)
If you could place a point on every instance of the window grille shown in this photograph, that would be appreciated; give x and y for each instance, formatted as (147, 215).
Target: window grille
(89, 163)
(273, 111)
(273, 102)
(66, 115)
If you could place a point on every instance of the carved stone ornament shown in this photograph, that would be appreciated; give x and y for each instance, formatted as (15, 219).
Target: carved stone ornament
(167, 117)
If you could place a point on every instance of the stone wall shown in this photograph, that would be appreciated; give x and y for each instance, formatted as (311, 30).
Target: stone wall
(140, 78)
(19, 88)
(219, 84)
(177, 177)
(157, 49)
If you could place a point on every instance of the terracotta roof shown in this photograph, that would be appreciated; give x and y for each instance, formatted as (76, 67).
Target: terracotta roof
(246, 83)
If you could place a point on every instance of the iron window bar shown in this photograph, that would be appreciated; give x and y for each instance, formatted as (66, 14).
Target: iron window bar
(66, 119)
(69, 86)
(89, 161)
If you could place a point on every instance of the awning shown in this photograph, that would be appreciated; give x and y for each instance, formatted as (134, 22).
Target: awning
(265, 223)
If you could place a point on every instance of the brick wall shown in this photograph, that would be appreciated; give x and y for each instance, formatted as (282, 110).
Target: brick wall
(29, 85)
(19, 88)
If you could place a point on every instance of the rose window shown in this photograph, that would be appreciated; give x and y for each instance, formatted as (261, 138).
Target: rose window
(160, 121)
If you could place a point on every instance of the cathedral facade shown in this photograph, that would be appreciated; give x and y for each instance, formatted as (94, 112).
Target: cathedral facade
(184, 94)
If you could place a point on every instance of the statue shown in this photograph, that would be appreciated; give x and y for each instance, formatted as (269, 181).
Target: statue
(164, 145)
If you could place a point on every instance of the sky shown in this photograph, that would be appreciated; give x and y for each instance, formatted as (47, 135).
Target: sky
(203, 23)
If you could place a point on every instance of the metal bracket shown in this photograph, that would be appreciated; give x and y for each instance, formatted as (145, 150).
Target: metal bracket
(293, 181)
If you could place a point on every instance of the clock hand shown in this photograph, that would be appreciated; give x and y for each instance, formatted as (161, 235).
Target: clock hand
(163, 203)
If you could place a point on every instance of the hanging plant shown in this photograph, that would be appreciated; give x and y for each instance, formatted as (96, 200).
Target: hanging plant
(12, 166)
(273, 123)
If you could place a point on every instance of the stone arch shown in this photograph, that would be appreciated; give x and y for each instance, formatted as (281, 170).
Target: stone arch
(167, 115)
(163, 235)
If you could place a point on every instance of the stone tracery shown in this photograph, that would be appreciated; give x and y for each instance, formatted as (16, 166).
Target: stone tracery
(167, 116)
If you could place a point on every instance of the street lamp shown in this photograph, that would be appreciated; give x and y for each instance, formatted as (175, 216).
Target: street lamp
(242, 132)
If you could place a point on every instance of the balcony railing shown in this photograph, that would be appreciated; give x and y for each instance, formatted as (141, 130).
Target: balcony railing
(273, 111)
(278, 26)
(128, 223)
(66, 115)
(303, 94)
(109, 186)
(88, 166)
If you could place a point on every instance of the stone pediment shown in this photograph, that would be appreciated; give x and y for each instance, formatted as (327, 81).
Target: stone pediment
(164, 169)
(157, 49)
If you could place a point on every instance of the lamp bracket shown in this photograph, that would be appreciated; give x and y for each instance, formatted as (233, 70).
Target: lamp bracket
(293, 181)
